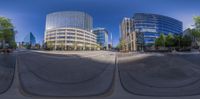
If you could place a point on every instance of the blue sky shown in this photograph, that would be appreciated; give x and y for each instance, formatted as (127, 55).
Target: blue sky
(29, 15)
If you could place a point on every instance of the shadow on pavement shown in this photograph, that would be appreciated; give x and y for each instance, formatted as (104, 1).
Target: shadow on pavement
(164, 75)
(49, 75)
(193, 58)
(7, 69)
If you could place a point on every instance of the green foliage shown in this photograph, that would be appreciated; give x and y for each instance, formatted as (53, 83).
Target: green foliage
(197, 21)
(173, 41)
(169, 42)
(5, 23)
(122, 44)
(8, 35)
(186, 41)
(13, 44)
(195, 33)
(177, 40)
(6, 32)
(1, 36)
(49, 45)
(160, 41)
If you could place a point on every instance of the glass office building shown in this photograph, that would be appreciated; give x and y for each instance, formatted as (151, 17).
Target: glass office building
(70, 30)
(30, 39)
(128, 34)
(152, 25)
(102, 37)
(70, 19)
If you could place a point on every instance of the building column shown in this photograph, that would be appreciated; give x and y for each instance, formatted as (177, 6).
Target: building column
(75, 42)
(84, 41)
(55, 45)
(65, 40)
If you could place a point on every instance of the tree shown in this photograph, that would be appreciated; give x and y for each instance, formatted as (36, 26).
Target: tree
(197, 22)
(13, 44)
(122, 44)
(49, 45)
(6, 32)
(186, 41)
(1, 39)
(169, 42)
(196, 32)
(1, 35)
(177, 40)
(160, 41)
(8, 35)
(174, 41)
(5, 23)
(162, 37)
(196, 36)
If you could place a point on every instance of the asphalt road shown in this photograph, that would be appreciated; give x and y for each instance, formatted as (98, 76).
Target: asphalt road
(104, 76)
(7, 68)
(46, 75)
(161, 75)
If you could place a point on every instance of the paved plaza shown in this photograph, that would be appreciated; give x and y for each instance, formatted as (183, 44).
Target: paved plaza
(7, 68)
(99, 74)
(161, 75)
(46, 75)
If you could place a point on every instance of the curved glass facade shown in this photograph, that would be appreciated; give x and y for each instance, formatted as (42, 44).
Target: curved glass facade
(70, 30)
(71, 19)
(152, 25)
